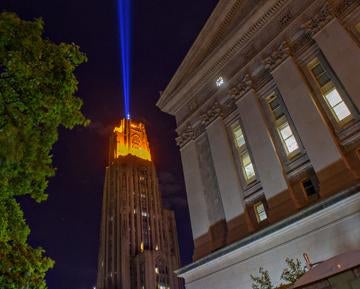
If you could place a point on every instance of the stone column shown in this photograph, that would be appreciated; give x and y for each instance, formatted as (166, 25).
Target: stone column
(200, 223)
(343, 55)
(320, 145)
(268, 167)
(228, 181)
(227, 178)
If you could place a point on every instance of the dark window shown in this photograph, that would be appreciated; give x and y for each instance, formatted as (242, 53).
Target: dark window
(309, 188)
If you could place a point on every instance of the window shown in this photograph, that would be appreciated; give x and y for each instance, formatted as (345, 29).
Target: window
(248, 168)
(282, 126)
(245, 159)
(288, 138)
(330, 93)
(357, 26)
(310, 189)
(260, 212)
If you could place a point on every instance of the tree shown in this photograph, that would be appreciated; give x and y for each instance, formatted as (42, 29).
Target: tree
(262, 281)
(290, 274)
(37, 96)
(293, 272)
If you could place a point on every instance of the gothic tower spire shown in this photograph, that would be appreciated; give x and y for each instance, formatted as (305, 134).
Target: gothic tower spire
(138, 240)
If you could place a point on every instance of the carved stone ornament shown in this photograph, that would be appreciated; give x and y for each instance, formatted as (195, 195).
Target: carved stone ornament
(185, 136)
(316, 23)
(277, 56)
(346, 7)
(212, 113)
(244, 86)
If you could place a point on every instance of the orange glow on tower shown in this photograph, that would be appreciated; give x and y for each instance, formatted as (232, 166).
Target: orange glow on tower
(131, 139)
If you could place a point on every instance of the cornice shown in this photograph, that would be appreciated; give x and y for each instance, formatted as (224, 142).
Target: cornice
(207, 39)
(172, 98)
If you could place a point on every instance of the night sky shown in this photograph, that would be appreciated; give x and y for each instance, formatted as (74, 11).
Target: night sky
(67, 225)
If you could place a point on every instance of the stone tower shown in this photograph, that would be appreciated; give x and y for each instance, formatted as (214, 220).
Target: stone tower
(138, 239)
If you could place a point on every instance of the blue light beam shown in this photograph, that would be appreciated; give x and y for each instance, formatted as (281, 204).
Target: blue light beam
(124, 21)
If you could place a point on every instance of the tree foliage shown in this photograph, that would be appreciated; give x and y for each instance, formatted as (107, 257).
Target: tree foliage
(293, 271)
(37, 96)
(262, 281)
(290, 274)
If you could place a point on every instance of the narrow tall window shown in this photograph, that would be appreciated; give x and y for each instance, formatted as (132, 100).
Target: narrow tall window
(282, 126)
(332, 97)
(245, 159)
(260, 212)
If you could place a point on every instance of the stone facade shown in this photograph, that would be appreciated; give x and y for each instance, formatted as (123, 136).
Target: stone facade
(273, 88)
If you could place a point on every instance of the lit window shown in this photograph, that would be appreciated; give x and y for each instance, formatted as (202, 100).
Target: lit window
(239, 136)
(288, 139)
(245, 159)
(248, 168)
(142, 246)
(357, 26)
(333, 99)
(260, 212)
(282, 125)
(219, 81)
(144, 214)
(337, 105)
(156, 270)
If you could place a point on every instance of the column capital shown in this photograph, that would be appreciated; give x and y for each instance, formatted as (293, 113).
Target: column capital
(211, 113)
(244, 85)
(278, 55)
(185, 135)
(318, 21)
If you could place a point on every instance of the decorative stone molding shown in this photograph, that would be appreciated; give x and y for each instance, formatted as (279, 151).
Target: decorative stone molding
(228, 107)
(244, 86)
(277, 56)
(346, 7)
(316, 23)
(185, 136)
(212, 113)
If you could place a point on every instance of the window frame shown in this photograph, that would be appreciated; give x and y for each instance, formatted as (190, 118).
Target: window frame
(320, 90)
(276, 123)
(257, 214)
(240, 152)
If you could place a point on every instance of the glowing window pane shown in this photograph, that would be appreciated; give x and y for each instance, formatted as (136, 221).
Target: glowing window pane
(333, 97)
(337, 105)
(288, 138)
(248, 168)
(260, 212)
(239, 136)
(342, 111)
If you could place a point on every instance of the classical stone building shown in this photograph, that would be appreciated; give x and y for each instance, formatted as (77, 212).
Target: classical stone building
(138, 239)
(267, 107)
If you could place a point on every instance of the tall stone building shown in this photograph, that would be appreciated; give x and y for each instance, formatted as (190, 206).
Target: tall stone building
(267, 105)
(138, 240)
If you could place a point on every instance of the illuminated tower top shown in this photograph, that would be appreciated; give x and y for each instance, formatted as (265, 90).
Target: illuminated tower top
(130, 139)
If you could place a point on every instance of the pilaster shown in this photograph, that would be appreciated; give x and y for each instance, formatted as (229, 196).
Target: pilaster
(343, 55)
(267, 163)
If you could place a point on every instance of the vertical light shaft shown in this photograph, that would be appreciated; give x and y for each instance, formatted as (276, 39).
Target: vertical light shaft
(124, 21)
